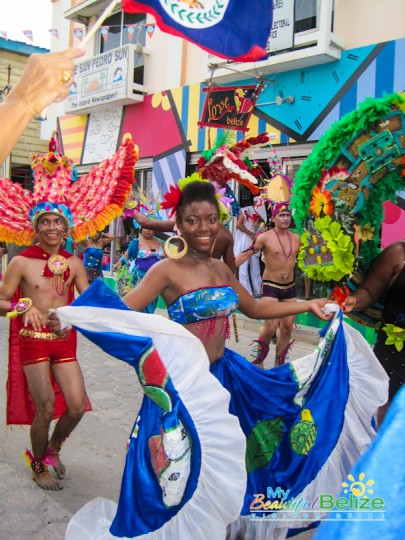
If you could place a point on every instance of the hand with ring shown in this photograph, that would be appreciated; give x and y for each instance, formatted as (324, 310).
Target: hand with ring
(45, 80)
(65, 78)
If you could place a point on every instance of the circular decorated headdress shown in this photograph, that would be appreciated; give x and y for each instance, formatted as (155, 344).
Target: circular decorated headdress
(87, 204)
(339, 190)
(276, 192)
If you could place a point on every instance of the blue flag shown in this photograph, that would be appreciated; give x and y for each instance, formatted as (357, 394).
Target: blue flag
(233, 29)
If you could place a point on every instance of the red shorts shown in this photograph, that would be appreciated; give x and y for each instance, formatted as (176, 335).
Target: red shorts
(45, 346)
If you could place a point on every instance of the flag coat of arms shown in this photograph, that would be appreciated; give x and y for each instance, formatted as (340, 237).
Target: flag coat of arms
(233, 29)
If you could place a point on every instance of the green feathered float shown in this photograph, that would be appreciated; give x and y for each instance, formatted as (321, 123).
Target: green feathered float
(339, 191)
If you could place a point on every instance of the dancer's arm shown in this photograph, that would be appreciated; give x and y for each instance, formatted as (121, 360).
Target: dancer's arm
(161, 225)
(261, 309)
(245, 255)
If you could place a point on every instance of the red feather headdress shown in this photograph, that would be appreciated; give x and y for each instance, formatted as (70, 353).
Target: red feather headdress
(88, 205)
(229, 162)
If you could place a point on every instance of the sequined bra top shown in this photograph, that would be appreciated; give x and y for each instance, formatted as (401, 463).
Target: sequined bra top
(93, 257)
(203, 307)
(147, 253)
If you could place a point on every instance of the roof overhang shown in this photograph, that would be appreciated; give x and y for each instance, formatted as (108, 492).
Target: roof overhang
(83, 12)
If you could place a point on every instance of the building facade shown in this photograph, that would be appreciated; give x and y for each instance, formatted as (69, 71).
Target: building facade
(13, 59)
(136, 79)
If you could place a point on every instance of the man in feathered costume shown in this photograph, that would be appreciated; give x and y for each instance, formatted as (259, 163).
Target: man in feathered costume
(45, 380)
(279, 249)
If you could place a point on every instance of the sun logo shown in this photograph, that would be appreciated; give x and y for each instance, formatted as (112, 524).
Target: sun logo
(357, 487)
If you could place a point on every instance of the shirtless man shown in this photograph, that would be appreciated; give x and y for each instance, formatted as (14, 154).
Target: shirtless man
(280, 249)
(222, 248)
(37, 273)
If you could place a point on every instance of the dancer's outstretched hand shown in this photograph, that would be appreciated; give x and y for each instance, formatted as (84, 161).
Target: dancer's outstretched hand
(317, 307)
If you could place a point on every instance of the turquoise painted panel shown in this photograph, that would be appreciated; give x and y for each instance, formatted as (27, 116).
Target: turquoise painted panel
(315, 89)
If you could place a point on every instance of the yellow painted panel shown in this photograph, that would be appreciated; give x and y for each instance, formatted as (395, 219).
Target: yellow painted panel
(73, 128)
(253, 126)
(193, 116)
(177, 94)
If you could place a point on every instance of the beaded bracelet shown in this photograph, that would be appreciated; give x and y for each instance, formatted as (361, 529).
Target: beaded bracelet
(251, 248)
(19, 308)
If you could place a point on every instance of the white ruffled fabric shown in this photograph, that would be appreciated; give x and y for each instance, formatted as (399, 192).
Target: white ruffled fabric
(218, 497)
(368, 390)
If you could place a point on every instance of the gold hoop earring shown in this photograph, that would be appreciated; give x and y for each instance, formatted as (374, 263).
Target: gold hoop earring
(172, 250)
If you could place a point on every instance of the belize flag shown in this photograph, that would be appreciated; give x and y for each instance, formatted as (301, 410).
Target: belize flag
(232, 29)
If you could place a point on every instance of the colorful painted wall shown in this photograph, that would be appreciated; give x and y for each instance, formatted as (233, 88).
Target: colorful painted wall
(165, 125)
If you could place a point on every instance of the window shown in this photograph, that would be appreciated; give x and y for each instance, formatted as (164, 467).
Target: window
(120, 27)
(23, 175)
(125, 28)
(143, 181)
(305, 15)
(291, 167)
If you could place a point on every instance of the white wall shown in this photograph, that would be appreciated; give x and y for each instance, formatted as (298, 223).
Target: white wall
(365, 22)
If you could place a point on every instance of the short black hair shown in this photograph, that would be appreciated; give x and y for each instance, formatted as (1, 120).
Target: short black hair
(196, 192)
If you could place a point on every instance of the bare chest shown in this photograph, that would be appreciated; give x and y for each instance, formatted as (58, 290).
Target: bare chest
(280, 248)
(45, 291)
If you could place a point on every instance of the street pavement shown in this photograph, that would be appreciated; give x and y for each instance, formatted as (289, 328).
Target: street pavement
(95, 452)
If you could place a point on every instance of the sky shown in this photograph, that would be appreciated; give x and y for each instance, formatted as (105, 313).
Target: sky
(34, 15)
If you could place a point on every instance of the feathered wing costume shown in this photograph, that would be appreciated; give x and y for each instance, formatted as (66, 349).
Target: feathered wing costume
(87, 205)
(339, 190)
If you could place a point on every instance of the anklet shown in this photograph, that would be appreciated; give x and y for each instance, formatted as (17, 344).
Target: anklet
(261, 351)
(33, 463)
(51, 452)
(38, 467)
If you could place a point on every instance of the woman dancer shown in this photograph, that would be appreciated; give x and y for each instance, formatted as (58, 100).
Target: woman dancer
(93, 254)
(141, 255)
(285, 413)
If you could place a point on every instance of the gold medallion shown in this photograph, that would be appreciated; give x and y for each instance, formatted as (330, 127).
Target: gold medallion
(130, 205)
(58, 265)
